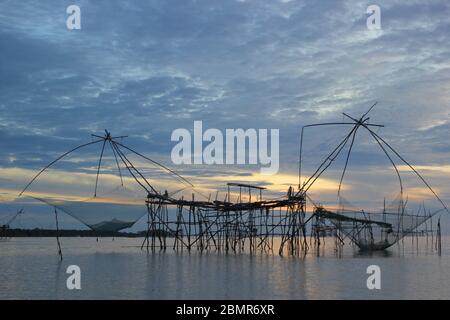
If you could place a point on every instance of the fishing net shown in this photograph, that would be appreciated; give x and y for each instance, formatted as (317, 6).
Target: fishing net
(112, 212)
(379, 229)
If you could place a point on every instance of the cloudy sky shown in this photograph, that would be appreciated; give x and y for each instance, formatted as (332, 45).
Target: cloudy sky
(145, 68)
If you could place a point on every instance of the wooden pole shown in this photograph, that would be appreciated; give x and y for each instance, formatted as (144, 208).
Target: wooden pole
(57, 235)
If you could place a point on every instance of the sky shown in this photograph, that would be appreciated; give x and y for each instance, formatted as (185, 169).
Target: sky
(146, 68)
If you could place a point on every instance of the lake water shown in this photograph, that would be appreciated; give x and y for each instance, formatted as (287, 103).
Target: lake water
(30, 269)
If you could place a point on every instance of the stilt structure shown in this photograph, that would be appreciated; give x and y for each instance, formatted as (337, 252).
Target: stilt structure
(245, 220)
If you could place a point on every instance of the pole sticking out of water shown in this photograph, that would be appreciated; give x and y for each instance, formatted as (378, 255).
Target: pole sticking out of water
(57, 235)
(438, 237)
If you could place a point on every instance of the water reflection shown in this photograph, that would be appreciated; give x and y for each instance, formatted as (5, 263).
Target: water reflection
(30, 268)
(376, 254)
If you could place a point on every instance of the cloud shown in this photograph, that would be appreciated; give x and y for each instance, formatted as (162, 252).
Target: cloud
(145, 69)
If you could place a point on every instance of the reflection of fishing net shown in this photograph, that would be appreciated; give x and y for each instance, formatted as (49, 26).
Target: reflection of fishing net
(112, 212)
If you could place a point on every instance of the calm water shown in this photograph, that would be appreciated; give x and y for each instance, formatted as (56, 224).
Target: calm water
(118, 269)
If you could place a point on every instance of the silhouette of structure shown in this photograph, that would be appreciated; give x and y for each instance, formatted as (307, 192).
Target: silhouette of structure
(251, 222)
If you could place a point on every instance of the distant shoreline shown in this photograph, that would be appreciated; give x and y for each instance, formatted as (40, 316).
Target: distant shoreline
(15, 233)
